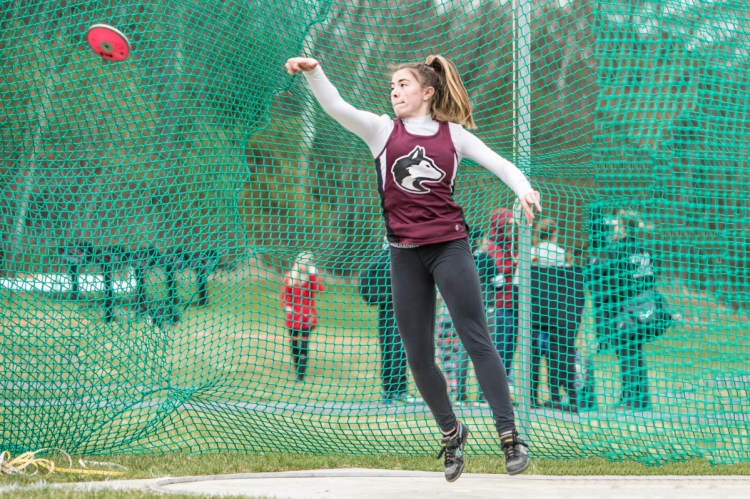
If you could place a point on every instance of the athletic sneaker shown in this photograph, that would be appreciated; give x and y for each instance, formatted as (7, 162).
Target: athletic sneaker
(453, 449)
(516, 454)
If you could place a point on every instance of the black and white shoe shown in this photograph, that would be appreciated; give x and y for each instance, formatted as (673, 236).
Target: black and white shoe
(453, 450)
(516, 454)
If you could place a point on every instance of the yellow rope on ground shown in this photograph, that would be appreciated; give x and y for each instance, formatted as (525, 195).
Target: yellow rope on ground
(29, 463)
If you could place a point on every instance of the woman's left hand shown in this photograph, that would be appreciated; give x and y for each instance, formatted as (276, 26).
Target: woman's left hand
(529, 202)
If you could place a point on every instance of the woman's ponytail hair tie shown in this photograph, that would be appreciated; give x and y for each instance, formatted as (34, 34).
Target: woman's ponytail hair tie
(434, 62)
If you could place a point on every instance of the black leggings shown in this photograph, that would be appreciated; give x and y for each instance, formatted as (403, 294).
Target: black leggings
(414, 273)
(561, 367)
(300, 347)
(633, 372)
(393, 373)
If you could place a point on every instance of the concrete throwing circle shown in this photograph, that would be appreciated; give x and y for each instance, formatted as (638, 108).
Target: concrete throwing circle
(354, 483)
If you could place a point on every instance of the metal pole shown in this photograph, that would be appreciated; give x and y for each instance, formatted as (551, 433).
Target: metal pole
(522, 142)
(524, 396)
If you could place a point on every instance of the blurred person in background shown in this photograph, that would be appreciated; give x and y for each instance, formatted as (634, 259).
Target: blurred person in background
(375, 289)
(298, 297)
(633, 312)
(504, 321)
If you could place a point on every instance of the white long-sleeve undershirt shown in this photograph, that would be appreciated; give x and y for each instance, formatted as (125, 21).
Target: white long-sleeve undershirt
(375, 130)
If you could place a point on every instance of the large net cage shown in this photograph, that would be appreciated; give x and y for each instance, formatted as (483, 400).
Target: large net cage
(158, 213)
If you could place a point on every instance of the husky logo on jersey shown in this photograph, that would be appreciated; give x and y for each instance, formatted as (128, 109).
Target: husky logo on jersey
(412, 170)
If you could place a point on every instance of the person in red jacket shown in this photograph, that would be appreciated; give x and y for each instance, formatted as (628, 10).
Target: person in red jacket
(301, 285)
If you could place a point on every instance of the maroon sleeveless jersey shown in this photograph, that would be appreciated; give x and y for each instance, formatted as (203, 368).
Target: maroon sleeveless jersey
(416, 176)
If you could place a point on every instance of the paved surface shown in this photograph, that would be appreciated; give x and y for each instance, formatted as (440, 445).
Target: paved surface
(376, 484)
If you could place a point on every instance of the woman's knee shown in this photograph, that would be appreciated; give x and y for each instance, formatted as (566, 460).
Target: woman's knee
(479, 351)
(422, 368)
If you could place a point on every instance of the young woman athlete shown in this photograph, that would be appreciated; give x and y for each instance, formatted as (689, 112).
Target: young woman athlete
(416, 159)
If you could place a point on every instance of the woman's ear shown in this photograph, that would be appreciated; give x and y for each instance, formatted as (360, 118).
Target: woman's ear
(428, 93)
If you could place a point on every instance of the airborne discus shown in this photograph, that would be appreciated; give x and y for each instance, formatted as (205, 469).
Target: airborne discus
(108, 42)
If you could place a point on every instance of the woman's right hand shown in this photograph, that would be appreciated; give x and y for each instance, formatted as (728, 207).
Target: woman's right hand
(528, 203)
(296, 64)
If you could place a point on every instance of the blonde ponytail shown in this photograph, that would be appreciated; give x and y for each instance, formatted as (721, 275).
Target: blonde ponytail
(452, 102)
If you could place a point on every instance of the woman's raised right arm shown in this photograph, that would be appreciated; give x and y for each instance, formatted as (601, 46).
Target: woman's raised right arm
(371, 128)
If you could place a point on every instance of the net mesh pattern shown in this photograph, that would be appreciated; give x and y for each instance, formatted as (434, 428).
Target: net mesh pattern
(156, 208)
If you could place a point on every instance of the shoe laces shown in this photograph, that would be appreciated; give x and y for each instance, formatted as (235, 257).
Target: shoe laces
(450, 446)
(511, 446)
(449, 453)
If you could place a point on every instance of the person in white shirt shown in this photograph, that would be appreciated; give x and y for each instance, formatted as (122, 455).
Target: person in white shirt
(554, 343)
(547, 253)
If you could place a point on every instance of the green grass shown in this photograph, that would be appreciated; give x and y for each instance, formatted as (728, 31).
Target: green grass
(50, 493)
(220, 463)
(179, 464)
(220, 380)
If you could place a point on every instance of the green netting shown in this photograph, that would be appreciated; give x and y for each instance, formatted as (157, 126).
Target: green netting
(153, 206)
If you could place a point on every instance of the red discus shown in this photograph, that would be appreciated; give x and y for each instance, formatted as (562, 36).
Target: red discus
(108, 42)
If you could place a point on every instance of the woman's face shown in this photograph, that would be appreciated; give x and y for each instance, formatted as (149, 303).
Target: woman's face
(408, 97)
